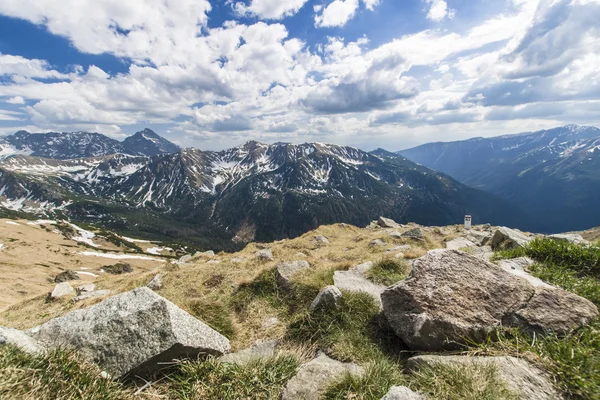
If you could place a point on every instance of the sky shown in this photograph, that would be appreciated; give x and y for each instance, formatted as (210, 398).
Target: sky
(366, 73)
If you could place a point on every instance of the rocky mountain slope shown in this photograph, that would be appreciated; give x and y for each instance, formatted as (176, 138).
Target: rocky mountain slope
(64, 146)
(340, 312)
(250, 192)
(553, 174)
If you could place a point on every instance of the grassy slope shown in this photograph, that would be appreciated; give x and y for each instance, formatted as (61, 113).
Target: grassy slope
(237, 300)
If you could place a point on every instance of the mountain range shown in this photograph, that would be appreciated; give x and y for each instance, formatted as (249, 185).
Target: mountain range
(246, 193)
(553, 175)
(64, 146)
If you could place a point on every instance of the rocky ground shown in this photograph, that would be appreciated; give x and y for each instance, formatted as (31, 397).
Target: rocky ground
(390, 311)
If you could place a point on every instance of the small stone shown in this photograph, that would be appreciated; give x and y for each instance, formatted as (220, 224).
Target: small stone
(66, 276)
(185, 259)
(286, 270)
(314, 377)
(270, 323)
(363, 268)
(377, 243)
(156, 282)
(396, 235)
(459, 243)
(387, 223)
(208, 254)
(352, 281)
(88, 287)
(61, 290)
(91, 295)
(262, 351)
(214, 262)
(414, 234)
(265, 255)
(237, 260)
(402, 393)
(569, 238)
(320, 240)
(516, 266)
(328, 298)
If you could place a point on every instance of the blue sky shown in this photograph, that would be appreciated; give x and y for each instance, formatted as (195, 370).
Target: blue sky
(368, 73)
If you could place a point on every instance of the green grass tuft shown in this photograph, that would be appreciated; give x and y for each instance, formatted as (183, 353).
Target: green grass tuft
(573, 360)
(214, 313)
(356, 331)
(212, 379)
(461, 382)
(57, 375)
(388, 271)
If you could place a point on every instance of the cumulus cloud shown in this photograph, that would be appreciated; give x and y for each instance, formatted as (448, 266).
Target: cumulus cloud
(439, 10)
(270, 9)
(226, 83)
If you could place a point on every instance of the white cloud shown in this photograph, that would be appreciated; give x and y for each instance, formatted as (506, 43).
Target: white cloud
(371, 4)
(438, 10)
(222, 85)
(16, 100)
(336, 13)
(270, 9)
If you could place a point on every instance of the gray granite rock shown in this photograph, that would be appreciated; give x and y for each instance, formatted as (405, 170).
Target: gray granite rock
(569, 238)
(459, 243)
(314, 377)
(265, 255)
(91, 295)
(20, 340)
(133, 333)
(155, 283)
(286, 271)
(61, 290)
(328, 298)
(261, 351)
(505, 238)
(402, 393)
(525, 380)
(352, 281)
(387, 223)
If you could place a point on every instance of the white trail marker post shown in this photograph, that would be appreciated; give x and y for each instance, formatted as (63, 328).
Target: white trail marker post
(468, 222)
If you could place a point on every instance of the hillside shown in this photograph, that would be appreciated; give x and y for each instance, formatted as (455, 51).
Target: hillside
(253, 299)
(553, 174)
(250, 192)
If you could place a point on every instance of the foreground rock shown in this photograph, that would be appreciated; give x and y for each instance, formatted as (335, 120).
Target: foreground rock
(314, 377)
(450, 296)
(327, 299)
(61, 290)
(132, 334)
(287, 270)
(20, 340)
(525, 380)
(261, 351)
(505, 238)
(402, 393)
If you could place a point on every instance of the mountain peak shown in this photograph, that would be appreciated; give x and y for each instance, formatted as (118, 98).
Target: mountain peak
(149, 143)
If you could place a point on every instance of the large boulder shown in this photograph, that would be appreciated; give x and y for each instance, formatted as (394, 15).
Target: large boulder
(522, 378)
(554, 310)
(314, 377)
(451, 296)
(20, 340)
(505, 238)
(402, 393)
(132, 334)
(286, 271)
